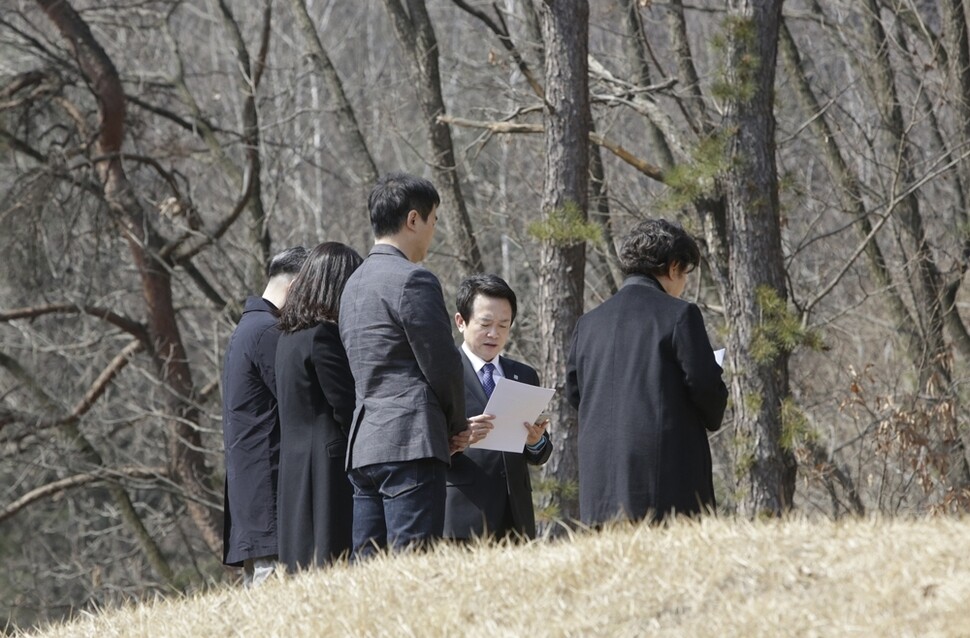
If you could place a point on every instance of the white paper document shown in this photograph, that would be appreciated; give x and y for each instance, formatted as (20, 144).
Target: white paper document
(719, 357)
(513, 403)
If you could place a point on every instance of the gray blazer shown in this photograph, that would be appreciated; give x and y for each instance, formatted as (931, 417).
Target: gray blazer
(410, 397)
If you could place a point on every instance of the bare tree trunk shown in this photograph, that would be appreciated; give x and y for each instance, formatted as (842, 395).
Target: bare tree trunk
(533, 27)
(608, 264)
(692, 105)
(849, 193)
(955, 28)
(711, 207)
(417, 37)
(637, 53)
(926, 282)
(950, 284)
(565, 31)
(600, 213)
(259, 234)
(759, 382)
(188, 466)
(361, 165)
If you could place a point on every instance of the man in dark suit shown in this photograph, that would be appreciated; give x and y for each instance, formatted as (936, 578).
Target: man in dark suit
(490, 492)
(643, 376)
(410, 403)
(250, 425)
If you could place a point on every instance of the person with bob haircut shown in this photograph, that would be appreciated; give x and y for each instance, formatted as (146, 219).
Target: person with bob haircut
(643, 376)
(410, 412)
(315, 390)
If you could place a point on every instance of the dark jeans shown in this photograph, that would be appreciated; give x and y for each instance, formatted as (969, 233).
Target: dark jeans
(398, 505)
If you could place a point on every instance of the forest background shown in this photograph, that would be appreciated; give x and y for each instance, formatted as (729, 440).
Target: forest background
(154, 153)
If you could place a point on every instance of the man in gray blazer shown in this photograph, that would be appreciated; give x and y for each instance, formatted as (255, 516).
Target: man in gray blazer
(410, 402)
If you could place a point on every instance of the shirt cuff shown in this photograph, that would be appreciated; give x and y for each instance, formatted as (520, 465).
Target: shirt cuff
(538, 446)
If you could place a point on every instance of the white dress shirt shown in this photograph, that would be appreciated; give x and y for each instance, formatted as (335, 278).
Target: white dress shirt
(478, 363)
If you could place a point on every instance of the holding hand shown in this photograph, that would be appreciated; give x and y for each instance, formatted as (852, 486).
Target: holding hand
(536, 430)
(459, 442)
(480, 426)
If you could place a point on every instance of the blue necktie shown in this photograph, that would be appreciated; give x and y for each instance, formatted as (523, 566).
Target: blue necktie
(488, 383)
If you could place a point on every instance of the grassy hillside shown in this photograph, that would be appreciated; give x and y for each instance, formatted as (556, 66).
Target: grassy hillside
(714, 578)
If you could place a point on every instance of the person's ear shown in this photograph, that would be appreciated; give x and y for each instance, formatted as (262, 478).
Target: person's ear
(289, 284)
(460, 322)
(413, 216)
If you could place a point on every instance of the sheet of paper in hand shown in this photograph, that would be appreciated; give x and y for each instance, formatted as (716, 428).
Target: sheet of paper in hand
(513, 403)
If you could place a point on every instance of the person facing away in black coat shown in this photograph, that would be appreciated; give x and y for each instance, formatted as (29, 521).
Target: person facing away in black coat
(489, 493)
(250, 425)
(643, 376)
(315, 390)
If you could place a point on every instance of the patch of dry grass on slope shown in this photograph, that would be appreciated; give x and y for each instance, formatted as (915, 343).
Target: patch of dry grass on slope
(714, 578)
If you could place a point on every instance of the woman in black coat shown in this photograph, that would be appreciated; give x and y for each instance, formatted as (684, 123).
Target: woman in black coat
(642, 374)
(315, 393)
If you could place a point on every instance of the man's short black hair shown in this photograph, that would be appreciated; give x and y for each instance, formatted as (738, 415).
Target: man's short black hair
(394, 196)
(286, 262)
(654, 245)
(487, 286)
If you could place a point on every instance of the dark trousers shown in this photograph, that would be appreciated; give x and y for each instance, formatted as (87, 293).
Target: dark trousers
(398, 505)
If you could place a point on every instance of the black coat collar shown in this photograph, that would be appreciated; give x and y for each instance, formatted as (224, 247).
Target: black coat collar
(637, 279)
(259, 304)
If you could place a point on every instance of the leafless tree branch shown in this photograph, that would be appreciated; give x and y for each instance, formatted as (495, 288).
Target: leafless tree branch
(648, 169)
(62, 485)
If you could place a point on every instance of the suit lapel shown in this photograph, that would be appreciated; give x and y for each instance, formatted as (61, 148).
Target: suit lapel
(510, 368)
(473, 386)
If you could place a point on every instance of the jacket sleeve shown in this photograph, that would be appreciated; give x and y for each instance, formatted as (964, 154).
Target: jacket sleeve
(428, 329)
(264, 356)
(333, 373)
(702, 375)
(540, 457)
(530, 376)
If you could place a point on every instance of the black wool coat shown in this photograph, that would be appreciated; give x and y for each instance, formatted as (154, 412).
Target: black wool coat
(251, 435)
(642, 374)
(483, 483)
(316, 404)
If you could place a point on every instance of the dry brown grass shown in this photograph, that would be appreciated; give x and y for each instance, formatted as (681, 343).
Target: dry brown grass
(713, 578)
